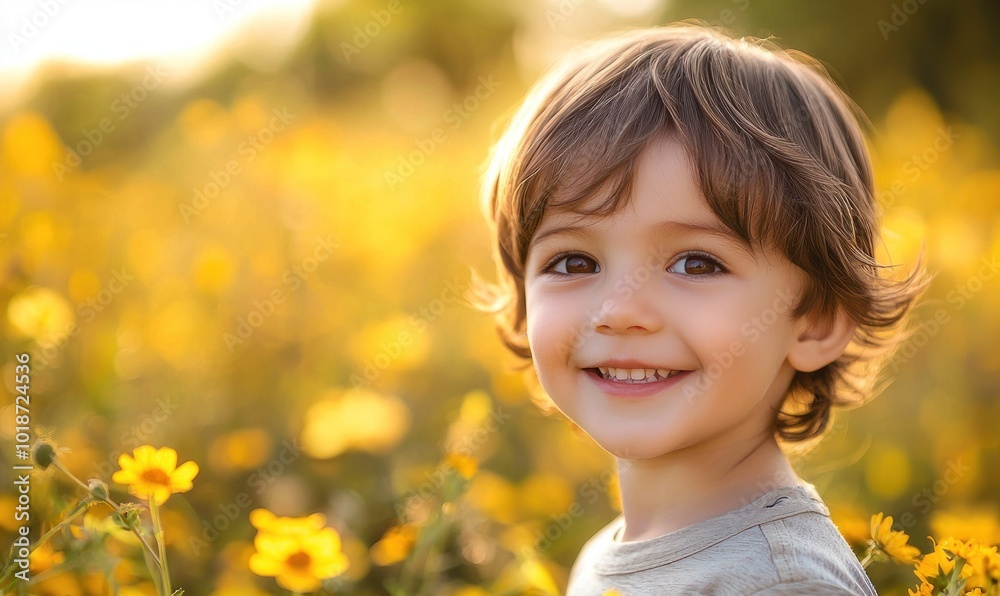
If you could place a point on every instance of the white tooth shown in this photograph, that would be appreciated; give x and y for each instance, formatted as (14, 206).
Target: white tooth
(674, 373)
(662, 372)
(650, 372)
(622, 374)
(604, 371)
(637, 373)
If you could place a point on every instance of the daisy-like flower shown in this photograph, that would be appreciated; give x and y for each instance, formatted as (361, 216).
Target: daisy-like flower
(980, 564)
(985, 564)
(298, 552)
(153, 474)
(941, 561)
(893, 543)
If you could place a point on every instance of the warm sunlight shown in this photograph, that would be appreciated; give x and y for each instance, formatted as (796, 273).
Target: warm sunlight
(181, 35)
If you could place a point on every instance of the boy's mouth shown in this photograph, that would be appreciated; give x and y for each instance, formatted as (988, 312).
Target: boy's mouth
(635, 375)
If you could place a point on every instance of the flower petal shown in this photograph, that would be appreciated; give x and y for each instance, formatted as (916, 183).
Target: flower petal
(182, 476)
(125, 476)
(144, 455)
(262, 518)
(298, 581)
(166, 459)
(126, 462)
(265, 565)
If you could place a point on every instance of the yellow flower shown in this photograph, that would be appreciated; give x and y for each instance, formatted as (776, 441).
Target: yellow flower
(892, 542)
(298, 552)
(395, 545)
(265, 521)
(153, 473)
(982, 564)
(941, 561)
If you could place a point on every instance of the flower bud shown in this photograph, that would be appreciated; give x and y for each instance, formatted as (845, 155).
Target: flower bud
(98, 489)
(45, 454)
(129, 517)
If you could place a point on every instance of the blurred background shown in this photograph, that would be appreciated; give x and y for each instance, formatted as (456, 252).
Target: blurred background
(243, 229)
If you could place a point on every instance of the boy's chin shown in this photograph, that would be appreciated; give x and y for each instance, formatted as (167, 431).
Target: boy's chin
(631, 447)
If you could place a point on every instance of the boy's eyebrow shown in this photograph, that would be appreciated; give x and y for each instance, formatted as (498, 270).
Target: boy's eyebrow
(662, 227)
(711, 229)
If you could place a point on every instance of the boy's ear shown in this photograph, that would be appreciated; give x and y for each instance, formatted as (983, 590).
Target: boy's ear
(820, 340)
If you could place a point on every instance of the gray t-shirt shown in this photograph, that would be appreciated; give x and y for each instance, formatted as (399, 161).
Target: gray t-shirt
(782, 543)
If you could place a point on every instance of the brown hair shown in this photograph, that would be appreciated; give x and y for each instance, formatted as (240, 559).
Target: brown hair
(778, 153)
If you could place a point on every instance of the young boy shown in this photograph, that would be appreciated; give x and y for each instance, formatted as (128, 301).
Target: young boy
(685, 234)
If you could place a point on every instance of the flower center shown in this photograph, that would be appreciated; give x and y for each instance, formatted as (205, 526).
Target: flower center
(156, 476)
(299, 560)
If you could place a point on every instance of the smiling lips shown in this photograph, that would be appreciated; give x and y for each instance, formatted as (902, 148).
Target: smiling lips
(636, 375)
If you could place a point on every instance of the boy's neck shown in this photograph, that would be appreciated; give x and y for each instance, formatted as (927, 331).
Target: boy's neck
(666, 494)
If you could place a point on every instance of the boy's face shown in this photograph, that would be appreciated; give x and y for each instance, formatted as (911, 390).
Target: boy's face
(660, 284)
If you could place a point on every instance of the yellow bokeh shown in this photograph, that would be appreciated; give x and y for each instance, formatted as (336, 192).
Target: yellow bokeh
(390, 344)
(903, 234)
(911, 124)
(968, 523)
(851, 520)
(245, 448)
(249, 114)
(171, 328)
(354, 419)
(9, 204)
(83, 285)
(203, 122)
(214, 269)
(144, 252)
(42, 231)
(8, 521)
(357, 553)
(887, 471)
(39, 313)
(544, 494)
(494, 496)
(30, 146)
(957, 243)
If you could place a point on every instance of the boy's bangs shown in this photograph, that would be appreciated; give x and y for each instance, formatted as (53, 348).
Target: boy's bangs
(584, 162)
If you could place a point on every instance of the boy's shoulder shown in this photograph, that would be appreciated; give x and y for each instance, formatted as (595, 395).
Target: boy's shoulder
(782, 543)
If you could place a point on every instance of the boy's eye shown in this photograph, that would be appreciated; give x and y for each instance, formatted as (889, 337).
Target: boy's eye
(695, 264)
(570, 264)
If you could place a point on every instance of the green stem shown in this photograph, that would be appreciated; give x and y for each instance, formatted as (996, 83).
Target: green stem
(154, 511)
(869, 556)
(113, 505)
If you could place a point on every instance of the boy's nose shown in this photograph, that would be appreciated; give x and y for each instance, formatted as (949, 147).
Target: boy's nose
(630, 310)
